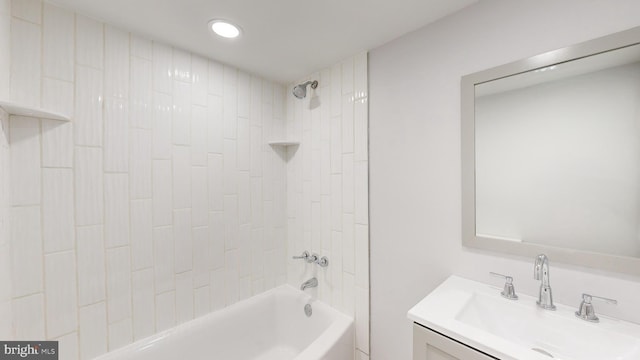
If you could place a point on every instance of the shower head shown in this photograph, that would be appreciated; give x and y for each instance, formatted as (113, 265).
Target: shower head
(300, 90)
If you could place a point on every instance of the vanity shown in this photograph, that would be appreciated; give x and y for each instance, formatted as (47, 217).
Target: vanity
(468, 320)
(550, 154)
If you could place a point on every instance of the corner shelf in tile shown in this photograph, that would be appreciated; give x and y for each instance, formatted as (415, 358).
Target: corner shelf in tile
(284, 143)
(23, 110)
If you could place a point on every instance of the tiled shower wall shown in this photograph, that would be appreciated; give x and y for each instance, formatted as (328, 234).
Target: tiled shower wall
(327, 190)
(159, 202)
(5, 202)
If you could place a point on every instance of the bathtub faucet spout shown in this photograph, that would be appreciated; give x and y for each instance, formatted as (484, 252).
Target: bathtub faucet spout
(313, 282)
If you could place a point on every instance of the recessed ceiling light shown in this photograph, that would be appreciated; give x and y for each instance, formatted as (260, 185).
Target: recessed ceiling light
(224, 28)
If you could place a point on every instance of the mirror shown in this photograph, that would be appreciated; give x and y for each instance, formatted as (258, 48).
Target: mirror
(551, 155)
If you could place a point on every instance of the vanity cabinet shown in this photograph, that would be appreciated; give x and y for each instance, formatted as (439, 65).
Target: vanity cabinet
(430, 345)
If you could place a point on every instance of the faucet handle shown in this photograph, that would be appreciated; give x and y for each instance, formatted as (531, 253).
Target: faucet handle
(586, 311)
(509, 292)
(305, 256)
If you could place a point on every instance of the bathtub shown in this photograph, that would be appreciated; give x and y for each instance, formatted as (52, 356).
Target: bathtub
(269, 326)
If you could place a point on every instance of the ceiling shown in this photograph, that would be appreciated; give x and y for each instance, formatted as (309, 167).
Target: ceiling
(282, 40)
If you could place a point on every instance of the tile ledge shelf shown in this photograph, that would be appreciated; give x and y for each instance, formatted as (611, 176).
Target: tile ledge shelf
(284, 143)
(13, 108)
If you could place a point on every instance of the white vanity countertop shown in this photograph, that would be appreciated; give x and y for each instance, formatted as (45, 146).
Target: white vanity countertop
(475, 314)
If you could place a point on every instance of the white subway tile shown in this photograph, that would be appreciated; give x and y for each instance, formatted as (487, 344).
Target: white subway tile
(118, 284)
(25, 62)
(199, 135)
(216, 78)
(68, 345)
(348, 244)
(361, 355)
(231, 225)
(218, 294)
(57, 95)
(244, 95)
(184, 297)
(164, 258)
(347, 124)
(267, 92)
(325, 168)
(362, 318)
(256, 203)
(91, 265)
(162, 68)
(28, 317)
(279, 100)
(215, 177)
(89, 42)
(336, 269)
(244, 144)
(6, 326)
(57, 143)
(26, 249)
(348, 184)
(231, 277)
(181, 125)
(162, 110)
(199, 196)
(182, 240)
(200, 78)
(336, 202)
(201, 301)
(141, 236)
(87, 122)
(347, 76)
(181, 177)
(244, 197)
(140, 164)
(30, 10)
(244, 288)
(162, 191)
(182, 65)
(141, 93)
(336, 90)
(336, 145)
(116, 136)
(216, 240)
(361, 129)
(143, 304)
(215, 132)
(348, 294)
(57, 210)
(93, 330)
(58, 43)
(362, 255)
(88, 186)
(257, 254)
(361, 196)
(325, 222)
(230, 102)
(230, 180)
(244, 251)
(116, 63)
(141, 47)
(257, 146)
(25, 160)
(165, 311)
(120, 334)
(256, 101)
(60, 287)
(201, 254)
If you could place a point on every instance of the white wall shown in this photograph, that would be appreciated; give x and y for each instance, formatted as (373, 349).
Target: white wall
(415, 156)
(327, 182)
(157, 203)
(565, 154)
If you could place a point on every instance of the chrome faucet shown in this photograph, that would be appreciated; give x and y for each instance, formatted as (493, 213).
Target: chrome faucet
(541, 272)
(313, 282)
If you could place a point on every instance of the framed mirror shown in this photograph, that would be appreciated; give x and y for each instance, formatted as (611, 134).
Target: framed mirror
(551, 155)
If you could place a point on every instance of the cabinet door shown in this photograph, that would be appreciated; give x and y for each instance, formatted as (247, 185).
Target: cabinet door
(429, 345)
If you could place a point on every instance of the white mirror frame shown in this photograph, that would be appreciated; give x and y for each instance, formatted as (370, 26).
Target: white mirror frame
(622, 264)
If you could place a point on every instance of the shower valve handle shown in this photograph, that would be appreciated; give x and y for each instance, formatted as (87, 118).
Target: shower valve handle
(305, 256)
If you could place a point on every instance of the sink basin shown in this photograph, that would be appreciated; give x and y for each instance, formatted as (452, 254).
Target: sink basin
(475, 314)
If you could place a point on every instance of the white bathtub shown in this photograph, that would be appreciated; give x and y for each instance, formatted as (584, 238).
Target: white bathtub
(269, 326)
